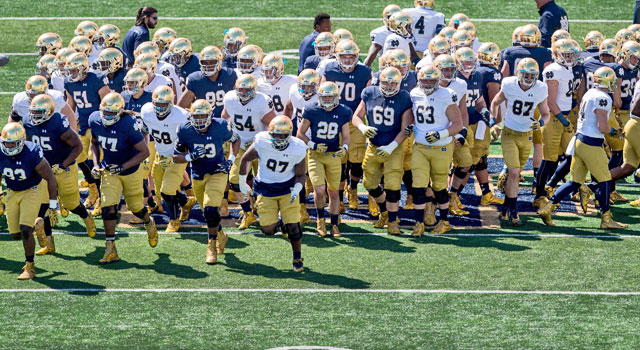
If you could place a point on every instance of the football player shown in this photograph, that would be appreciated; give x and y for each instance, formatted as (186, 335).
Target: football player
(163, 68)
(47, 67)
(624, 35)
(274, 83)
(84, 91)
(133, 91)
(24, 168)
(631, 153)
(456, 20)
(522, 93)
(182, 57)
(471, 29)
(437, 46)
(249, 112)
(338, 35)
(61, 146)
(59, 74)
(249, 61)
(323, 47)
(48, 43)
(328, 121)
(199, 141)
(37, 85)
(436, 117)
(111, 63)
(592, 42)
(280, 157)
(83, 44)
(588, 153)
(234, 40)
(116, 135)
(149, 64)
(88, 29)
(379, 35)
(107, 36)
(461, 38)
(351, 77)
(163, 38)
(427, 22)
(384, 112)
(400, 24)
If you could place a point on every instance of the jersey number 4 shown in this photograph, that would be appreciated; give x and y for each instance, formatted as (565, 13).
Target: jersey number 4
(14, 174)
(273, 165)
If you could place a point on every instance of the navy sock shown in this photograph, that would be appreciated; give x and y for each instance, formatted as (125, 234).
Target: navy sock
(246, 206)
(382, 206)
(418, 215)
(485, 188)
(561, 171)
(80, 211)
(444, 214)
(393, 216)
(213, 236)
(506, 204)
(565, 190)
(29, 258)
(297, 255)
(603, 196)
(341, 195)
(353, 184)
(181, 197)
(320, 213)
(334, 219)
(226, 195)
(513, 207)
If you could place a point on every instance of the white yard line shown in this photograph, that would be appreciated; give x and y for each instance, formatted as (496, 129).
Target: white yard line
(357, 19)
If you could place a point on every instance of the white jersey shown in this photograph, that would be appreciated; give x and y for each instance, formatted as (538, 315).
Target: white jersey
(169, 70)
(430, 113)
(247, 119)
(257, 73)
(564, 77)
(587, 120)
(57, 81)
(521, 104)
(426, 59)
(424, 22)
(323, 65)
(283, 162)
(475, 45)
(395, 41)
(158, 80)
(279, 92)
(164, 132)
(636, 92)
(379, 35)
(22, 102)
(299, 104)
(458, 86)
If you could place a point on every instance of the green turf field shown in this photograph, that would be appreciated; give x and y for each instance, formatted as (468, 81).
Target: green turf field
(361, 291)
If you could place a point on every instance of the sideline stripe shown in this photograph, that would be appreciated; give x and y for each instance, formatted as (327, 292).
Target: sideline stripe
(314, 291)
(374, 19)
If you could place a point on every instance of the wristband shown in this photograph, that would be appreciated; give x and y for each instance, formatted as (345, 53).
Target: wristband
(242, 179)
(444, 133)
(53, 204)
(345, 146)
(484, 111)
(311, 144)
(188, 157)
(232, 158)
(541, 122)
(362, 128)
(393, 145)
(562, 119)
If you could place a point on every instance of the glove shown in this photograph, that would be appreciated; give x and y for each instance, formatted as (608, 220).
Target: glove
(486, 116)
(58, 169)
(385, 151)
(244, 187)
(408, 130)
(295, 190)
(52, 212)
(197, 153)
(96, 172)
(223, 167)
(165, 161)
(461, 137)
(569, 129)
(495, 133)
(368, 131)
(536, 124)
(341, 152)
(248, 144)
(618, 133)
(114, 169)
(145, 165)
(318, 147)
(432, 136)
(234, 137)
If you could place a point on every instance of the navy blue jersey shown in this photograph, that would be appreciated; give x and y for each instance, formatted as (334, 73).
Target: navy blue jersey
(592, 65)
(19, 171)
(385, 114)
(587, 54)
(116, 141)
(350, 84)
(294, 121)
(192, 65)
(577, 79)
(326, 127)
(475, 90)
(552, 18)
(312, 62)
(86, 96)
(489, 75)
(629, 78)
(135, 104)
(407, 84)
(230, 62)
(117, 82)
(189, 138)
(212, 91)
(514, 54)
(47, 136)
(134, 37)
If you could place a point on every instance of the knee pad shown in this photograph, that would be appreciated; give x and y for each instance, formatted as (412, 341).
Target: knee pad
(482, 164)
(235, 188)
(393, 196)
(295, 232)
(442, 196)
(212, 216)
(459, 172)
(110, 213)
(140, 214)
(356, 170)
(419, 195)
(376, 192)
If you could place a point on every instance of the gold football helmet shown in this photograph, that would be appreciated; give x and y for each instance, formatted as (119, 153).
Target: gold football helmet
(110, 60)
(489, 54)
(248, 59)
(469, 27)
(328, 95)
(180, 51)
(12, 139)
(399, 59)
(46, 65)
(424, 3)
(111, 108)
(447, 66)
(86, 28)
(280, 129)
(210, 60)
(272, 68)
(162, 99)
(147, 47)
(48, 43)
(347, 54)
(530, 36)
(465, 60)
(342, 34)
(81, 44)
(565, 53)
(528, 72)
(35, 86)
(447, 33)
(400, 23)
(593, 39)
(108, 36)
(630, 54)
(461, 38)
(624, 35)
(324, 45)
(515, 36)
(605, 77)
(560, 34)
(246, 86)
(200, 114)
(388, 11)
(429, 78)
(147, 62)
(134, 81)
(457, 20)
(62, 56)
(308, 81)
(76, 67)
(635, 29)
(41, 109)
(390, 80)
(609, 47)
(234, 40)
(438, 46)
(163, 37)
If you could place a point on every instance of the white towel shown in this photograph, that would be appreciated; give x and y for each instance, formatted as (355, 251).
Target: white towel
(482, 127)
(571, 148)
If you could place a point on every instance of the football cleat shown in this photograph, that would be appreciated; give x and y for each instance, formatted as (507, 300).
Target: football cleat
(584, 193)
(83, 183)
(617, 197)
(635, 203)
(158, 208)
(335, 231)
(352, 198)
(28, 271)
(550, 191)
(90, 225)
(97, 210)
(430, 214)
(575, 197)
(374, 210)
(186, 209)
(504, 217)
(38, 229)
(442, 226)
(606, 221)
(152, 232)
(222, 242)
(173, 226)
(248, 218)
(64, 212)
(93, 196)
(455, 210)
(393, 228)
(489, 198)
(298, 265)
(516, 221)
(460, 205)
(408, 205)
(49, 249)
(545, 212)
(321, 226)
(110, 254)
(224, 208)
(418, 229)
(383, 218)
(540, 202)
(502, 182)
(212, 254)
(304, 215)
(2, 205)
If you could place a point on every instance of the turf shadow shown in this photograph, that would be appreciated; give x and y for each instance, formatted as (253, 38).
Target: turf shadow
(231, 242)
(373, 242)
(473, 242)
(53, 282)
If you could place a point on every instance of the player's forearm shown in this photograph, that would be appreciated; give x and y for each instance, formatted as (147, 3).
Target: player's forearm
(52, 186)
(179, 158)
(95, 153)
(75, 152)
(137, 159)
(244, 167)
